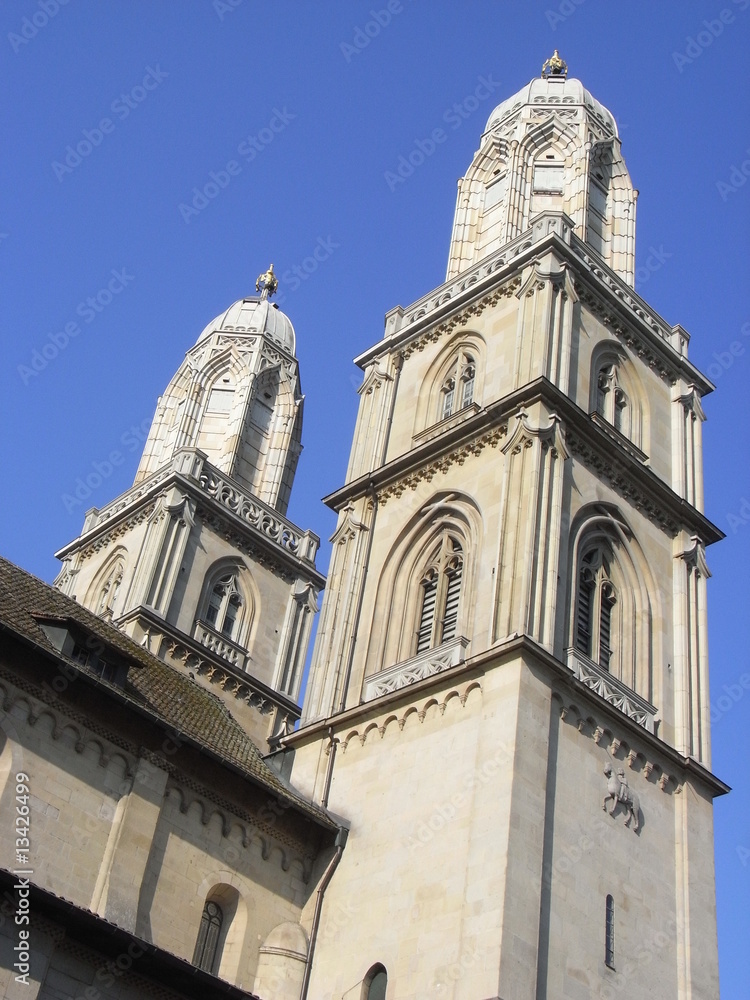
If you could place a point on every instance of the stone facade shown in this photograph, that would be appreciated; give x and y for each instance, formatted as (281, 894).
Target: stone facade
(516, 600)
(501, 785)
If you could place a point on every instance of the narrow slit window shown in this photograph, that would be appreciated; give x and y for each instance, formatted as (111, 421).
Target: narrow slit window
(609, 945)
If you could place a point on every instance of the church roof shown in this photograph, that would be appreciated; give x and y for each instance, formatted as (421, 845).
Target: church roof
(153, 685)
(255, 315)
(567, 93)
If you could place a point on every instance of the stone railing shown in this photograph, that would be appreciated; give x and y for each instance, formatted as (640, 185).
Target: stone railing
(432, 661)
(543, 224)
(612, 690)
(219, 644)
(255, 512)
(95, 517)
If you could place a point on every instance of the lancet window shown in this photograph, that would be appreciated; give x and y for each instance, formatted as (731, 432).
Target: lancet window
(109, 590)
(224, 606)
(441, 593)
(206, 953)
(595, 600)
(458, 386)
(611, 401)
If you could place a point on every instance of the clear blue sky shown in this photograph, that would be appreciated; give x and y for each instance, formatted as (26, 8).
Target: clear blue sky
(314, 120)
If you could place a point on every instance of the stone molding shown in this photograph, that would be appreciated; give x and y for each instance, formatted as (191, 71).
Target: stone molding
(612, 690)
(431, 661)
(457, 456)
(418, 708)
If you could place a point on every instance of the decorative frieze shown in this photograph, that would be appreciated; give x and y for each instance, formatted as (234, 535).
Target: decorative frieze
(622, 480)
(612, 690)
(258, 514)
(432, 661)
(455, 457)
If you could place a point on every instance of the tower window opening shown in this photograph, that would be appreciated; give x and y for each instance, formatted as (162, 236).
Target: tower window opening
(595, 599)
(609, 933)
(441, 594)
(224, 607)
(206, 953)
(458, 386)
(548, 178)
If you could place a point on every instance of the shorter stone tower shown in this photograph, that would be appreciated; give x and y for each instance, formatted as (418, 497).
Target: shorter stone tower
(197, 561)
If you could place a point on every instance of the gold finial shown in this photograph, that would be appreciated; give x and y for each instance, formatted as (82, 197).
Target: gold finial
(267, 283)
(555, 66)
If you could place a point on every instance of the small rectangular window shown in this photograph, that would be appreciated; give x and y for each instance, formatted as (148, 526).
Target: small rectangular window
(494, 193)
(548, 178)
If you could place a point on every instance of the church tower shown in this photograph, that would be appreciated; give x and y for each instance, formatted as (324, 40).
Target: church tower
(197, 561)
(509, 691)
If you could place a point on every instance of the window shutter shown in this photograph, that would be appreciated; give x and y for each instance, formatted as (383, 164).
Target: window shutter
(429, 596)
(583, 616)
(452, 595)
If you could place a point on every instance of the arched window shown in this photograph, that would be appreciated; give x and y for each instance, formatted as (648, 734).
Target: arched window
(611, 400)
(103, 595)
(375, 984)
(206, 954)
(224, 606)
(441, 592)
(595, 599)
(458, 386)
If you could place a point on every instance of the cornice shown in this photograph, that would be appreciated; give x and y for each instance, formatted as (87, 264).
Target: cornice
(269, 542)
(482, 285)
(402, 702)
(611, 459)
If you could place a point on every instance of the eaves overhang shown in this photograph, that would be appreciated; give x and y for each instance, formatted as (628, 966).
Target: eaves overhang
(623, 467)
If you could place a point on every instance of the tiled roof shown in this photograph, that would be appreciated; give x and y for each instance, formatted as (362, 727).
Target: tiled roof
(172, 697)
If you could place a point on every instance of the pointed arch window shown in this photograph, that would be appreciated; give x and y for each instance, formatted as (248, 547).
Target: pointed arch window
(206, 953)
(595, 600)
(441, 595)
(224, 606)
(611, 400)
(458, 386)
(109, 590)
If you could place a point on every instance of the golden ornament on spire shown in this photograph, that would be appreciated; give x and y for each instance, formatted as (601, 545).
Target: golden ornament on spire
(555, 66)
(267, 283)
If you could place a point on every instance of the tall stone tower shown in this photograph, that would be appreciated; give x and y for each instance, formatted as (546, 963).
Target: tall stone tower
(197, 561)
(514, 630)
